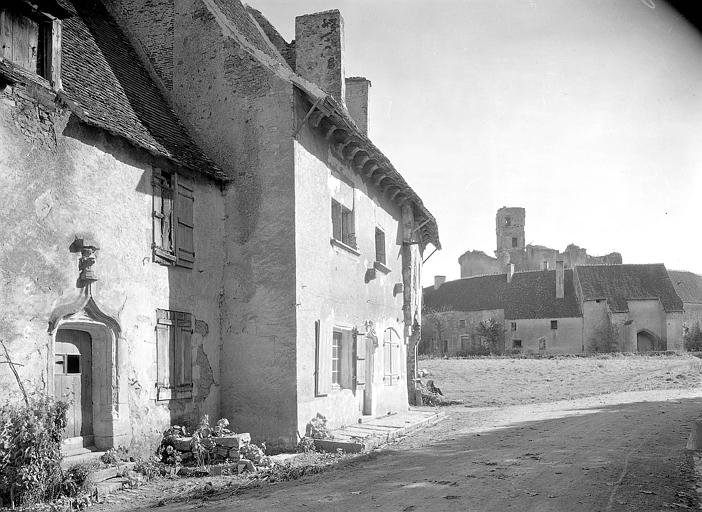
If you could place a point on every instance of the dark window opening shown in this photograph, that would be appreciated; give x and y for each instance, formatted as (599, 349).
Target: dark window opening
(379, 246)
(72, 363)
(462, 324)
(515, 242)
(514, 326)
(554, 324)
(508, 221)
(343, 224)
(516, 343)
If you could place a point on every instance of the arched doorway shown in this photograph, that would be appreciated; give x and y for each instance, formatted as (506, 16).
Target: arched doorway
(73, 382)
(645, 341)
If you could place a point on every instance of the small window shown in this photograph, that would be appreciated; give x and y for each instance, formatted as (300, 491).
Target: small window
(462, 324)
(513, 326)
(343, 224)
(516, 343)
(598, 301)
(515, 242)
(379, 246)
(25, 40)
(554, 324)
(508, 221)
(336, 359)
(173, 219)
(174, 354)
(72, 363)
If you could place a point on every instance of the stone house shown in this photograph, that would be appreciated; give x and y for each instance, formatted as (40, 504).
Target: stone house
(196, 222)
(688, 286)
(627, 308)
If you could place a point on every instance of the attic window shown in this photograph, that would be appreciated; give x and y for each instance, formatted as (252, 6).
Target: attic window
(26, 40)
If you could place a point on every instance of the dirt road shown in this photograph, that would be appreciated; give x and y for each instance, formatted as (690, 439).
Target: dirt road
(615, 452)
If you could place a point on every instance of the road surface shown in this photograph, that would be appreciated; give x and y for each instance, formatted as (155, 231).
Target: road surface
(614, 452)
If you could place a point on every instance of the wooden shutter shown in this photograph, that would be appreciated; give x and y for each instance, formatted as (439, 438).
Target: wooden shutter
(184, 215)
(165, 350)
(184, 365)
(379, 246)
(322, 359)
(360, 357)
(336, 220)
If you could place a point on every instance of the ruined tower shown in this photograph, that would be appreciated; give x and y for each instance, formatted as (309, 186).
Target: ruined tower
(510, 230)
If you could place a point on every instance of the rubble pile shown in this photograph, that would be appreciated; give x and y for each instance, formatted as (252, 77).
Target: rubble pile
(207, 446)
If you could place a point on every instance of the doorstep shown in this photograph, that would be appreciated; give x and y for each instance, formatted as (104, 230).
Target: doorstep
(370, 434)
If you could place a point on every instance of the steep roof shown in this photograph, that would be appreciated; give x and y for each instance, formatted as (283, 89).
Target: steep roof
(256, 35)
(533, 295)
(687, 285)
(619, 283)
(529, 295)
(105, 85)
(468, 294)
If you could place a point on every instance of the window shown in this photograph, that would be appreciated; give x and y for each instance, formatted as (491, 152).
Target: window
(336, 359)
(515, 242)
(67, 364)
(508, 221)
(174, 354)
(25, 40)
(461, 324)
(391, 358)
(554, 324)
(513, 326)
(173, 219)
(379, 246)
(343, 224)
(516, 343)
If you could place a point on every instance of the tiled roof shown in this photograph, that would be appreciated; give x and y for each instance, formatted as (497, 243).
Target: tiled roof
(619, 283)
(687, 285)
(533, 295)
(469, 294)
(529, 295)
(106, 86)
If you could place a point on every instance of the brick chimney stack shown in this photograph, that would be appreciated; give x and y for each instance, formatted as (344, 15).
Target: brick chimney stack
(319, 51)
(560, 278)
(357, 89)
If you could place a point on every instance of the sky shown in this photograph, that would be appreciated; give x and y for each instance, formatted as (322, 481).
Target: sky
(588, 113)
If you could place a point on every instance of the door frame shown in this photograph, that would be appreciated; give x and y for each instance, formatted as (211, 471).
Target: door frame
(110, 399)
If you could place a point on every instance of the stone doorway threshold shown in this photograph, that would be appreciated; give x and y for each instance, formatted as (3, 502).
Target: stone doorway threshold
(378, 431)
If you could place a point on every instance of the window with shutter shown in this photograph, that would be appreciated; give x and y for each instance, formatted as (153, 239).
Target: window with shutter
(174, 354)
(391, 358)
(26, 39)
(173, 198)
(379, 246)
(343, 225)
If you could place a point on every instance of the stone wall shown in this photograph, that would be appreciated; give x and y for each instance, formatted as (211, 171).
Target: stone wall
(58, 179)
(567, 338)
(450, 326)
(342, 288)
(241, 113)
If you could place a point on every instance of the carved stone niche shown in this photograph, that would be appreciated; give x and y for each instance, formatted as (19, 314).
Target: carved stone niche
(87, 247)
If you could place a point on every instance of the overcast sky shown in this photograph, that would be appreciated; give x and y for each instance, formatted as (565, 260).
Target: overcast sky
(585, 112)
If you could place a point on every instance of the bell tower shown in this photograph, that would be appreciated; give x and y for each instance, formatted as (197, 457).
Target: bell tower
(510, 229)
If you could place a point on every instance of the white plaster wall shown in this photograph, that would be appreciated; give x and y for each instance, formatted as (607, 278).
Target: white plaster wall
(567, 339)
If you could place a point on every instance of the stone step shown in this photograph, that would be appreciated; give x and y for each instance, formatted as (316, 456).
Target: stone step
(111, 472)
(82, 456)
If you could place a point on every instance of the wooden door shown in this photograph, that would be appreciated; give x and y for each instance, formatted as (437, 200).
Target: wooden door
(73, 380)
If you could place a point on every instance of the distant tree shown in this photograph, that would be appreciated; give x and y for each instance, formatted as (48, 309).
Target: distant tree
(693, 338)
(439, 322)
(605, 338)
(493, 332)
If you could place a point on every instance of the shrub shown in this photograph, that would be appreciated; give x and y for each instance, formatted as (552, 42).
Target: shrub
(30, 449)
(693, 338)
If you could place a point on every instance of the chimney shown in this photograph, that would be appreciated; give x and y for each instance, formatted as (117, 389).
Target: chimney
(560, 286)
(510, 272)
(357, 101)
(319, 51)
(438, 281)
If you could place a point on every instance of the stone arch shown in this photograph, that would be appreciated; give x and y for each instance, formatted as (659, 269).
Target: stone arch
(109, 396)
(646, 341)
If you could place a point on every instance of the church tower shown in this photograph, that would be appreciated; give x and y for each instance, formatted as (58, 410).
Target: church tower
(510, 230)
